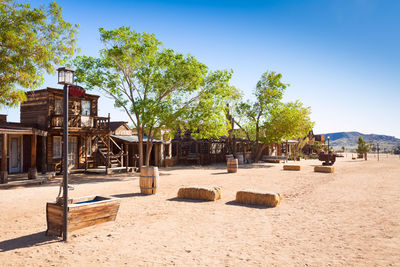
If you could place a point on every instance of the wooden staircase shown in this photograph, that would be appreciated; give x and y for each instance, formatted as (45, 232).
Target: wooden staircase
(115, 160)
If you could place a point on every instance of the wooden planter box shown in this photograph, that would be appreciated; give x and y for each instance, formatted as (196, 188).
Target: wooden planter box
(82, 212)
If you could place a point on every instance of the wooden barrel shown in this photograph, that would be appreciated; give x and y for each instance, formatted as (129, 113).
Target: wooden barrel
(240, 158)
(229, 156)
(148, 180)
(232, 165)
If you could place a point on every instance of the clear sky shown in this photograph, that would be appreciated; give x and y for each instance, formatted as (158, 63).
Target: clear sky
(341, 57)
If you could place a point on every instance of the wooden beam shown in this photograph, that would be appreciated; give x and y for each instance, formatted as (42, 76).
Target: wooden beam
(85, 151)
(33, 150)
(4, 171)
(32, 173)
(127, 156)
(44, 154)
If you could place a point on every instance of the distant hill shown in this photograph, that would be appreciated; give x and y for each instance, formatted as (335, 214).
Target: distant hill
(349, 140)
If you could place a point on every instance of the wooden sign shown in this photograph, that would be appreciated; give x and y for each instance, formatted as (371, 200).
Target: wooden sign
(76, 91)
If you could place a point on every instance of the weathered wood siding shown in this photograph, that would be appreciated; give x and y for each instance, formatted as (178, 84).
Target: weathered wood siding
(35, 109)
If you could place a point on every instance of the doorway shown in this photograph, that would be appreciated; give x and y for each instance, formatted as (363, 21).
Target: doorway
(72, 151)
(15, 160)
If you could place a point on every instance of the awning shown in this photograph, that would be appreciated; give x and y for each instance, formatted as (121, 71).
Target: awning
(21, 130)
(134, 138)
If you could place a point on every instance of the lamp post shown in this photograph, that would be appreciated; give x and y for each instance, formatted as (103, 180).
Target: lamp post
(65, 77)
(377, 144)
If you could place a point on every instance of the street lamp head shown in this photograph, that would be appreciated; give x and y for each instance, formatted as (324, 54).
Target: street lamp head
(65, 76)
(328, 137)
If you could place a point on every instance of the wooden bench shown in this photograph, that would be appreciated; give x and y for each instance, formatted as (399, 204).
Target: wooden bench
(275, 159)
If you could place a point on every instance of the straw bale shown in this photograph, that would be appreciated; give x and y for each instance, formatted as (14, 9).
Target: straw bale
(327, 169)
(255, 197)
(200, 193)
(292, 167)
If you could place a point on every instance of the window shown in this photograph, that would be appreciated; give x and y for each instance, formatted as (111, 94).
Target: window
(57, 147)
(85, 108)
(58, 106)
(89, 147)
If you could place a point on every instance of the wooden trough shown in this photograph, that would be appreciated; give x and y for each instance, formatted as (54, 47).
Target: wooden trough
(291, 167)
(326, 169)
(200, 193)
(255, 197)
(82, 212)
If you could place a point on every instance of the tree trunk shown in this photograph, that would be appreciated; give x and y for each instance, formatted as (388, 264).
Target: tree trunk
(260, 149)
(149, 147)
(365, 155)
(140, 136)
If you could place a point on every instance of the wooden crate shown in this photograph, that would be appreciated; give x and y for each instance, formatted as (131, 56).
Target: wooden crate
(291, 167)
(327, 169)
(82, 212)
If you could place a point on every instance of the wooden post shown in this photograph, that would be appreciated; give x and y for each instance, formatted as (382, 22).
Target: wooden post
(4, 171)
(108, 154)
(85, 151)
(44, 154)
(32, 173)
(122, 155)
(127, 157)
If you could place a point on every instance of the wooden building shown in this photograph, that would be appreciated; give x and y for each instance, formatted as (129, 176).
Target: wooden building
(126, 139)
(22, 149)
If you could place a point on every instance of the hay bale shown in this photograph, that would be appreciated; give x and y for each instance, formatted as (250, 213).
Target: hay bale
(255, 197)
(200, 193)
(327, 169)
(292, 167)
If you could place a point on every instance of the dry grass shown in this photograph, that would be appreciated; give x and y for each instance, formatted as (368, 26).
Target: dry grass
(292, 167)
(200, 193)
(254, 197)
(327, 169)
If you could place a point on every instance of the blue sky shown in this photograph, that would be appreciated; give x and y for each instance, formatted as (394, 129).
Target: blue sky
(341, 58)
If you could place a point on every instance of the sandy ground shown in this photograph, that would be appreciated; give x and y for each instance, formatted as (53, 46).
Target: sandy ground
(351, 217)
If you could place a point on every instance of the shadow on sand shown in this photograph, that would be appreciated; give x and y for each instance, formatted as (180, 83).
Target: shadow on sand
(131, 195)
(36, 239)
(188, 200)
(234, 203)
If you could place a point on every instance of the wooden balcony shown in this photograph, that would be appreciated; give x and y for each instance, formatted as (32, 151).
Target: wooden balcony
(80, 122)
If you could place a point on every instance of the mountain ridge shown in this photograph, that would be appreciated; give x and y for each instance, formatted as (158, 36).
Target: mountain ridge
(349, 140)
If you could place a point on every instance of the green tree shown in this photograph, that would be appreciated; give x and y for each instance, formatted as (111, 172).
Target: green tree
(32, 41)
(157, 87)
(267, 120)
(362, 147)
(316, 146)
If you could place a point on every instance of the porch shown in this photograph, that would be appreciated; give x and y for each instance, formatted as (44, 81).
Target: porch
(21, 152)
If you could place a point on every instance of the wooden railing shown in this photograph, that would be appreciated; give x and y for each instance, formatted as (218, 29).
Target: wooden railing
(79, 121)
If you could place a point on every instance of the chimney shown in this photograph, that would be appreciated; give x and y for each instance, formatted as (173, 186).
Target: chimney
(3, 118)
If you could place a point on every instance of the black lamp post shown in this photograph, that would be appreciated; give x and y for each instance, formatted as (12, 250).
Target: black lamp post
(65, 77)
(377, 144)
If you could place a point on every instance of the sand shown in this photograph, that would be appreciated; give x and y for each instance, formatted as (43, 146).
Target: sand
(350, 217)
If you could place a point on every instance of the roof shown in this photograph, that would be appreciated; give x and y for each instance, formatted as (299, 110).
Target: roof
(14, 129)
(56, 90)
(291, 141)
(114, 125)
(134, 139)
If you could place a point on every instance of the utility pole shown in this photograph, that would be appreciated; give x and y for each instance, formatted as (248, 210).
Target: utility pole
(377, 144)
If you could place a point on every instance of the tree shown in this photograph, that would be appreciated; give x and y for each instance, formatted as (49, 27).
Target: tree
(343, 149)
(32, 41)
(362, 148)
(316, 146)
(267, 120)
(157, 87)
